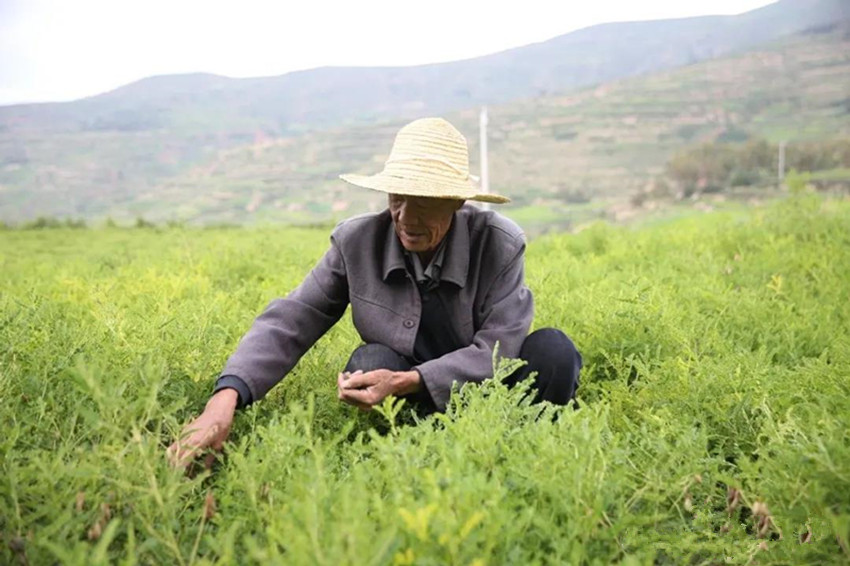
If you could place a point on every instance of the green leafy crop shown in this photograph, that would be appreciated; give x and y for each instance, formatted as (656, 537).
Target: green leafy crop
(712, 426)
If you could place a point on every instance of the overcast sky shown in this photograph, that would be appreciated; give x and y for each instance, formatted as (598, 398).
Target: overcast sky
(62, 50)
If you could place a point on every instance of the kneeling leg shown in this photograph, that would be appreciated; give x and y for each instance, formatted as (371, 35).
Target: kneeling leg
(370, 357)
(553, 356)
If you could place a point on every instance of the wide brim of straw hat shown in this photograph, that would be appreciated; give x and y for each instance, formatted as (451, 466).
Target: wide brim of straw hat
(442, 188)
(429, 158)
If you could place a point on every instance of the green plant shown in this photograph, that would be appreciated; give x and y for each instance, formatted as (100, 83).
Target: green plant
(713, 415)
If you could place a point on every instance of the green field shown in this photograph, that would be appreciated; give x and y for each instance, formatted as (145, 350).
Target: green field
(714, 425)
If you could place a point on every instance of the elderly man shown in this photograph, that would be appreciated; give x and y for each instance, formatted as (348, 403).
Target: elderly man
(433, 285)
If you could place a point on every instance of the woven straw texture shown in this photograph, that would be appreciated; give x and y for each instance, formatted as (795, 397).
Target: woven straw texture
(429, 158)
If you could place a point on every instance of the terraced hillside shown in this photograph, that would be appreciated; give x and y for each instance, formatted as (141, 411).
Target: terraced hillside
(557, 156)
(561, 158)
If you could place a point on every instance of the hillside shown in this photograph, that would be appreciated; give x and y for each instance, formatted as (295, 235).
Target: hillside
(203, 104)
(714, 419)
(559, 157)
(162, 149)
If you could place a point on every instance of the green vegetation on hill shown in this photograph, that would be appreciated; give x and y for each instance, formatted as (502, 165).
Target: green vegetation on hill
(548, 153)
(208, 154)
(714, 424)
(613, 140)
(714, 167)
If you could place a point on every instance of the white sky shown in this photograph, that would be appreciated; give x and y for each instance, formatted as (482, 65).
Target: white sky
(62, 50)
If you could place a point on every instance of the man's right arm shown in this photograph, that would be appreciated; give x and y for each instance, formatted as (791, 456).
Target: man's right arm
(287, 328)
(268, 351)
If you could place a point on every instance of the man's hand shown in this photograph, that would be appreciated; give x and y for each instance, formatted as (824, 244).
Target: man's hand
(365, 390)
(209, 430)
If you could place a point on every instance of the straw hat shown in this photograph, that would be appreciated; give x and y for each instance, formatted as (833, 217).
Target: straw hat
(429, 158)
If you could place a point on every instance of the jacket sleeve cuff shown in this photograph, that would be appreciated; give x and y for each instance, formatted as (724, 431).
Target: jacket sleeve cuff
(423, 396)
(435, 391)
(237, 383)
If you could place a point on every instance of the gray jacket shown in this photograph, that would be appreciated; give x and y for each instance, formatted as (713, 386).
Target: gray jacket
(365, 267)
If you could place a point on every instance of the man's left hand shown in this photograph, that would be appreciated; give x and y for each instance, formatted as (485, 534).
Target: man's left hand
(365, 390)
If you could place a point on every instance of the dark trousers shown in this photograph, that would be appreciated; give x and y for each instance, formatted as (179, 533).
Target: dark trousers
(547, 351)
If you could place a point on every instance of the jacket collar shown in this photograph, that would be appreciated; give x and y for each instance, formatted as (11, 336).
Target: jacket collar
(455, 262)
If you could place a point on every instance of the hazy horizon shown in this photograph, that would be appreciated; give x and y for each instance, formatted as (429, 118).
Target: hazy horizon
(54, 52)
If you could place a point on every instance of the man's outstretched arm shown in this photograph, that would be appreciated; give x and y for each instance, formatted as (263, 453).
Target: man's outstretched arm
(278, 338)
(289, 326)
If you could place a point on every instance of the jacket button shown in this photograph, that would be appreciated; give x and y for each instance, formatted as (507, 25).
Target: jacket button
(409, 323)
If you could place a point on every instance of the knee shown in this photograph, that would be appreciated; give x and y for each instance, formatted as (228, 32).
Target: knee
(369, 357)
(551, 346)
(553, 356)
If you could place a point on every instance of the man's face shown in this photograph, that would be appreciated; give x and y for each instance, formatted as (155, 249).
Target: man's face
(421, 222)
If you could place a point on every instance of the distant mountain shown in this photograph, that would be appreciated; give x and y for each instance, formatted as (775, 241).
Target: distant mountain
(332, 96)
(558, 157)
(209, 148)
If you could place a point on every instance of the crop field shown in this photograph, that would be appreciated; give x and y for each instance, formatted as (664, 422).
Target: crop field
(713, 426)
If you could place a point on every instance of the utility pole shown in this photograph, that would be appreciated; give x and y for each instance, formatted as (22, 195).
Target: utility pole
(780, 171)
(482, 130)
